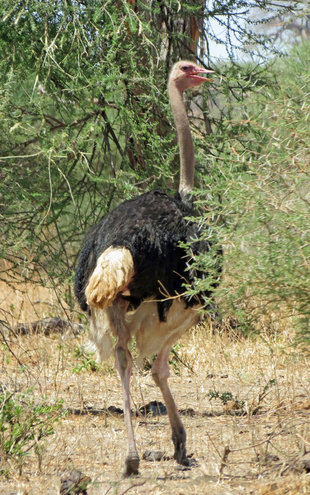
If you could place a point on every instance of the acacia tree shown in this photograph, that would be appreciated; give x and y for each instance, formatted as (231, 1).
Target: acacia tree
(264, 207)
(287, 27)
(85, 120)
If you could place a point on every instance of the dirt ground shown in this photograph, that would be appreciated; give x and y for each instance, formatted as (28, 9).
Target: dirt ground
(245, 405)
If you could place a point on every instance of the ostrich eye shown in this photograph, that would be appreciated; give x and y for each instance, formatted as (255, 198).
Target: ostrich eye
(185, 67)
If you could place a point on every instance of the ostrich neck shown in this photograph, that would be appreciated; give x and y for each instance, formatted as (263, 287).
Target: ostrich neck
(184, 137)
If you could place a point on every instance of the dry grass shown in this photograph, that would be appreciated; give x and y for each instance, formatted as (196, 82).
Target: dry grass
(237, 451)
(27, 302)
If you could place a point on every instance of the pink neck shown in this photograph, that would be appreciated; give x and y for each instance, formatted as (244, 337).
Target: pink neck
(184, 137)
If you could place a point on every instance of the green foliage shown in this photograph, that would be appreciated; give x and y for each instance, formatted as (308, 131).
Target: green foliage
(174, 360)
(225, 398)
(85, 361)
(85, 123)
(79, 120)
(83, 112)
(260, 203)
(24, 423)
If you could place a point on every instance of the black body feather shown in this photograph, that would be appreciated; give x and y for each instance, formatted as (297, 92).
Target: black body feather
(151, 226)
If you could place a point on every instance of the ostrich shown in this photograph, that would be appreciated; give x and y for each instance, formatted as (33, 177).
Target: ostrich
(131, 272)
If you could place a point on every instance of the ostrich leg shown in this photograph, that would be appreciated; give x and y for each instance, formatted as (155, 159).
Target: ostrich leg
(123, 361)
(161, 373)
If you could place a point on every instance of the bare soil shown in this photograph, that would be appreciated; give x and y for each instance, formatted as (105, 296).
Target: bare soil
(245, 405)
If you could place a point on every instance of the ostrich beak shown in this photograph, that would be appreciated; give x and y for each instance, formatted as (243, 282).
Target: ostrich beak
(201, 70)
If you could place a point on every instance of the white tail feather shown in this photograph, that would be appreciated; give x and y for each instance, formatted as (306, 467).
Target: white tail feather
(100, 334)
(113, 273)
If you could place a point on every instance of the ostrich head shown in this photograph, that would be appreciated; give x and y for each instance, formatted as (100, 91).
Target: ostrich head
(187, 75)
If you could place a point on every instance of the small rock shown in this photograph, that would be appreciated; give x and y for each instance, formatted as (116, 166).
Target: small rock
(154, 455)
(74, 483)
(154, 408)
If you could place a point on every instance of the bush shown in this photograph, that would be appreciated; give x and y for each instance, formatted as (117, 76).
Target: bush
(263, 210)
(24, 423)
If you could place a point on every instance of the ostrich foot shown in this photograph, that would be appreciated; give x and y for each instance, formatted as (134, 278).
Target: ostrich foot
(179, 441)
(186, 461)
(131, 465)
(181, 457)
